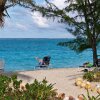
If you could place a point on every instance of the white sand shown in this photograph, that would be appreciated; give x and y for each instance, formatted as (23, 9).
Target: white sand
(64, 79)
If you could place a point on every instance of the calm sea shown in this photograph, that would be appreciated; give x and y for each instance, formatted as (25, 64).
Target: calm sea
(19, 54)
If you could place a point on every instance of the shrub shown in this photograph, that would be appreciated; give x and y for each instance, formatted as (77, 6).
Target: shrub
(10, 89)
(97, 76)
(92, 76)
(89, 76)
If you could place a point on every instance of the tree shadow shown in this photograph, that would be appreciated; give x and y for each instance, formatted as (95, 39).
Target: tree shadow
(74, 76)
(19, 76)
(24, 77)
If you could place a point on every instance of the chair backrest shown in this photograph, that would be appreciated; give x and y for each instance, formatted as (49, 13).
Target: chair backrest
(46, 60)
(1, 65)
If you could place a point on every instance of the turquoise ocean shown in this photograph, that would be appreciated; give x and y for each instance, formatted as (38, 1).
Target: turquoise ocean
(19, 54)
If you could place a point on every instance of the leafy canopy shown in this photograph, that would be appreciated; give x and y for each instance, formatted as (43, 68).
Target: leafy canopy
(82, 19)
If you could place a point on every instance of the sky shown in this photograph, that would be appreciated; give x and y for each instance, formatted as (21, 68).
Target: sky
(26, 24)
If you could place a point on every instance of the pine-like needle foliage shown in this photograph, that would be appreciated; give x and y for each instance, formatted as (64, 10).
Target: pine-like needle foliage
(82, 19)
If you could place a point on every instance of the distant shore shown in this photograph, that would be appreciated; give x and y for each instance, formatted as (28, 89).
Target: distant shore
(63, 78)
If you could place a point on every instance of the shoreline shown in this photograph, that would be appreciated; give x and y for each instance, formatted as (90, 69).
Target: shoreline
(43, 69)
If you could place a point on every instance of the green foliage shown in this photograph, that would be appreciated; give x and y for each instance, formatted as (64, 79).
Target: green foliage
(89, 76)
(92, 76)
(40, 90)
(82, 18)
(78, 44)
(88, 97)
(81, 24)
(11, 89)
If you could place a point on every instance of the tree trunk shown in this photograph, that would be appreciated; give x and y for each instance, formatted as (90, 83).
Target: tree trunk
(94, 49)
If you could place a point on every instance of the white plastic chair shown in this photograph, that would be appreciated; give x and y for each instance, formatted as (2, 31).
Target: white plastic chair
(1, 65)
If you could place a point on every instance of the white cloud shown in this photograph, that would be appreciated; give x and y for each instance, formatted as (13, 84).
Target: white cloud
(21, 26)
(39, 20)
(59, 3)
(8, 23)
(42, 22)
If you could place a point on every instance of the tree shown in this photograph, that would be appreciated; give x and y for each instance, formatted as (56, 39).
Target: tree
(82, 19)
(5, 4)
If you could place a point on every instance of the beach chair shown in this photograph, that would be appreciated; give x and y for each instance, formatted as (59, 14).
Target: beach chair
(87, 65)
(46, 62)
(1, 66)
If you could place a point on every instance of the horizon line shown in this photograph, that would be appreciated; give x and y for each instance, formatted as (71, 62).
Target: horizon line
(33, 38)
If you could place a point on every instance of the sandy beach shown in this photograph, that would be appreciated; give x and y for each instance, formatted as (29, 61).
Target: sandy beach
(63, 78)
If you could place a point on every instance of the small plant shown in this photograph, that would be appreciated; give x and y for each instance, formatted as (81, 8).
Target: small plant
(97, 76)
(89, 76)
(92, 76)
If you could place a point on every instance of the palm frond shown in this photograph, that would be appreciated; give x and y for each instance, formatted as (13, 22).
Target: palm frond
(5, 4)
(2, 9)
